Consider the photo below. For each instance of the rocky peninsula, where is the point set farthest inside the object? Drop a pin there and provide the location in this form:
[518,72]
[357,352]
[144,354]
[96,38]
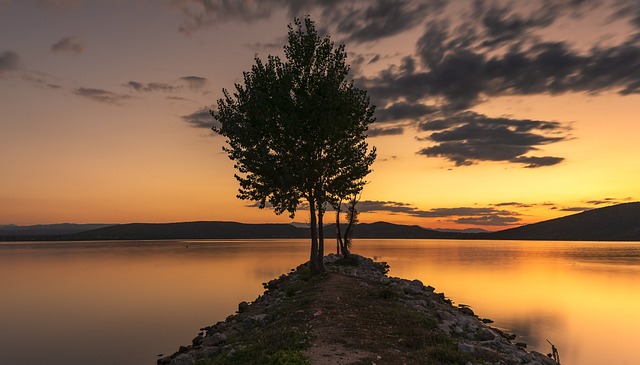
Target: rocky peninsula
[353,314]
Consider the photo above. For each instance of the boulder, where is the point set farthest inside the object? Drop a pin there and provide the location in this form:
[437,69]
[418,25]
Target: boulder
[183,359]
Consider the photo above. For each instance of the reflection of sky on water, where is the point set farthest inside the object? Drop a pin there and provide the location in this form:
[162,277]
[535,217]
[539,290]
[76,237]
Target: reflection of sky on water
[105,301]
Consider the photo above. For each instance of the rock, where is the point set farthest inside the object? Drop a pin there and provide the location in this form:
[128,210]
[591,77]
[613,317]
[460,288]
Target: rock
[466,348]
[197,341]
[445,316]
[467,311]
[485,334]
[259,318]
[242,307]
[183,359]
[215,339]
[521,345]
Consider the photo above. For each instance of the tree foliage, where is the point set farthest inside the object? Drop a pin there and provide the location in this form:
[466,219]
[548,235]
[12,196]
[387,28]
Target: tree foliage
[296,130]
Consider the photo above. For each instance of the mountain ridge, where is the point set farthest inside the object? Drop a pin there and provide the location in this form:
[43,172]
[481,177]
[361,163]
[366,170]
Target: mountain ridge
[619,222]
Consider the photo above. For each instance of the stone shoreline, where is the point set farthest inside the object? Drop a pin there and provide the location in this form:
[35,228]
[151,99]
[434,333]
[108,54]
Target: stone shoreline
[474,338]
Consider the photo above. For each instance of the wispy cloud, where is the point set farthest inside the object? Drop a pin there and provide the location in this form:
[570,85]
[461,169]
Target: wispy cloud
[385,131]
[195,82]
[9,61]
[488,216]
[102,96]
[201,118]
[357,21]
[68,45]
[151,86]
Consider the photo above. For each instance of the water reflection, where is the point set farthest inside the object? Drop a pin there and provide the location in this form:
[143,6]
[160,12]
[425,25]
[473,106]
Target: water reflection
[125,302]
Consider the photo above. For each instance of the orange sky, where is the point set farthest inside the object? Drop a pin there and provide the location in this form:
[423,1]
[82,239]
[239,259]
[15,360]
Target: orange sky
[521,114]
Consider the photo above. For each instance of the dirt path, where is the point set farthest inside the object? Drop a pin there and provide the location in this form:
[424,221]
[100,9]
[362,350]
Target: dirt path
[355,322]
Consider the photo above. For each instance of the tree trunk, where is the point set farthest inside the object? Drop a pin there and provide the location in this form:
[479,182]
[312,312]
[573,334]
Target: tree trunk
[338,233]
[321,239]
[313,259]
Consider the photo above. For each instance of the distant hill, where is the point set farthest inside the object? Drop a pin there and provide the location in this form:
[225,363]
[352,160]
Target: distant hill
[47,229]
[191,230]
[222,230]
[615,223]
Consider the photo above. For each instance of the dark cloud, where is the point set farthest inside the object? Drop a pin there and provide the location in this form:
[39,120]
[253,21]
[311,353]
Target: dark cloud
[378,19]
[462,215]
[532,162]
[575,209]
[358,21]
[201,118]
[195,82]
[512,204]
[468,137]
[9,62]
[403,111]
[152,86]
[69,45]
[388,131]
[102,96]
[488,220]
[609,201]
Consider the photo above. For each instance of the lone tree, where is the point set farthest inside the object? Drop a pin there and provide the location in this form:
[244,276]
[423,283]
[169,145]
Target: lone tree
[296,130]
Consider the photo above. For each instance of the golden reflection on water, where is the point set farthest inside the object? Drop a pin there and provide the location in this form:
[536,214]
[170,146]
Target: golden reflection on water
[126,302]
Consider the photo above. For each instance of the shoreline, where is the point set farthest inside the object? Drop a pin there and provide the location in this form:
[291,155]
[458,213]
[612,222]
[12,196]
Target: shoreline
[354,313]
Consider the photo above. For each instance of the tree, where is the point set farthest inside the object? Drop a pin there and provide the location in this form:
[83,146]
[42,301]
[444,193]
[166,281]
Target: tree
[344,242]
[296,130]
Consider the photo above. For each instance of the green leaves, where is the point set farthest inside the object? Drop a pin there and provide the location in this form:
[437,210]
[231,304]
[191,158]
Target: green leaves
[296,128]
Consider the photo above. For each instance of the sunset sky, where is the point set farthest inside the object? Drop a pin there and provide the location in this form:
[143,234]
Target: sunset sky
[490,114]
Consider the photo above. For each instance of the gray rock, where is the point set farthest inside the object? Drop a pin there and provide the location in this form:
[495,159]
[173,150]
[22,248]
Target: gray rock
[466,348]
[485,334]
[467,311]
[242,307]
[258,318]
[183,359]
[215,339]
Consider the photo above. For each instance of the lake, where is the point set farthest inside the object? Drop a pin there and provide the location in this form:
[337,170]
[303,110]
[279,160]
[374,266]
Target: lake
[126,302]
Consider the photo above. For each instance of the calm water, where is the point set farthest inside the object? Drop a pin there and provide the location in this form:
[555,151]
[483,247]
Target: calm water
[78,303]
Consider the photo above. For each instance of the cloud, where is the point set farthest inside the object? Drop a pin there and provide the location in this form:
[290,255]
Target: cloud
[9,62]
[41,79]
[575,209]
[69,45]
[468,137]
[377,19]
[357,21]
[151,87]
[201,118]
[102,96]
[487,216]
[389,131]
[488,220]
[513,204]
[609,201]
[195,82]
[403,111]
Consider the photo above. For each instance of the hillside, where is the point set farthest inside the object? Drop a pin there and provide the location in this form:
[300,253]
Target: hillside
[615,223]
[230,230]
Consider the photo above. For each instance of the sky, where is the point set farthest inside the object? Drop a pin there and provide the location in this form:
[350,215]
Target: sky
[490,114]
